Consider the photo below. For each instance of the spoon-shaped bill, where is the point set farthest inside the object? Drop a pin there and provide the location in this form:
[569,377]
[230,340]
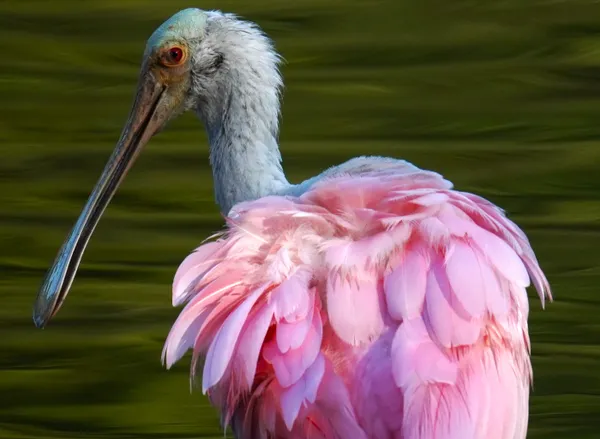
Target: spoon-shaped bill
[144,121]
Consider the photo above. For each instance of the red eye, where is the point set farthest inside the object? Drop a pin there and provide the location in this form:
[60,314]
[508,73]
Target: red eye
[173,56]
[176,54]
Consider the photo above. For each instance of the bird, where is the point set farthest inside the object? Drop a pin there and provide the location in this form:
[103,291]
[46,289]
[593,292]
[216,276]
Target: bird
[373,301]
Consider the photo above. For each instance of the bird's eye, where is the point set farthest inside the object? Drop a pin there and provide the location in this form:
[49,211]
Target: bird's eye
[173,56]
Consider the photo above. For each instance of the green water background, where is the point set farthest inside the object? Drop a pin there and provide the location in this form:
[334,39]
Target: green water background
[502,97]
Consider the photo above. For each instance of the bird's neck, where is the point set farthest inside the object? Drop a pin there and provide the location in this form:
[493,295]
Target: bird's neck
[244,155]
[241,112]
[243,137]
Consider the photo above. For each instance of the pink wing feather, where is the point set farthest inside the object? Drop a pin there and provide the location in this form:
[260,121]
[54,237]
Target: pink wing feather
[385,305]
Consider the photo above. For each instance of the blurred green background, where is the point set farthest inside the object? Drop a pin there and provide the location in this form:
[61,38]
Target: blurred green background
[502,97]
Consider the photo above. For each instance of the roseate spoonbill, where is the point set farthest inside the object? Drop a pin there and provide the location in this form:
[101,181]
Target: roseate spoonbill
[372,301]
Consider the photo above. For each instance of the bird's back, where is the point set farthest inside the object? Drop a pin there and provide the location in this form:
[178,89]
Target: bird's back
[378,303]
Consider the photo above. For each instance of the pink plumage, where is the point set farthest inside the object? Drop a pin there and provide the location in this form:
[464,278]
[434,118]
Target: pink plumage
[382,305]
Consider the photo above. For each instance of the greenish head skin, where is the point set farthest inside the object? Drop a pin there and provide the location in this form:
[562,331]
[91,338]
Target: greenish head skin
[186,25]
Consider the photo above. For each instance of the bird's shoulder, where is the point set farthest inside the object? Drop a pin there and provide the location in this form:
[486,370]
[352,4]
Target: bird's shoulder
[363,166]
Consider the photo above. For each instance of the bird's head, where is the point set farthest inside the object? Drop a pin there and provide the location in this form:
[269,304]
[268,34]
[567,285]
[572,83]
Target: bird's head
[176,52]
[194,60]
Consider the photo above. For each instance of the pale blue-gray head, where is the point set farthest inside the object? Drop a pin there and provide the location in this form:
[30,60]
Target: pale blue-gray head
[225,70]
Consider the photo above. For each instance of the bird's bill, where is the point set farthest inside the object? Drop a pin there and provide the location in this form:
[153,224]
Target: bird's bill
[145,119]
